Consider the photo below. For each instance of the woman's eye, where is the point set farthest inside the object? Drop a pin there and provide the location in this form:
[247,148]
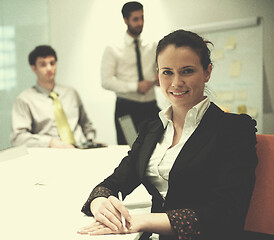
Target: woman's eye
[167,72]
[188,71]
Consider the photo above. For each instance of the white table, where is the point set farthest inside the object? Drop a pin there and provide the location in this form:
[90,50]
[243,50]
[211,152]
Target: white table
[43,191]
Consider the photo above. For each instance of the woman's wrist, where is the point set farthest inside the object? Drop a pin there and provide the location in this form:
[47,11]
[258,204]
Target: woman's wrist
[152,222]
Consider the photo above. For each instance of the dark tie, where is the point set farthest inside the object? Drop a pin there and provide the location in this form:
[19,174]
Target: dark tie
[139,65]
[62,124]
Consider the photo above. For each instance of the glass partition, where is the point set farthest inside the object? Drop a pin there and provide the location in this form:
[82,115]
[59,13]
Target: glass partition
[23,25]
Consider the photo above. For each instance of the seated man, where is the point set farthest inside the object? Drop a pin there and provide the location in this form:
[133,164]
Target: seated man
[49,114]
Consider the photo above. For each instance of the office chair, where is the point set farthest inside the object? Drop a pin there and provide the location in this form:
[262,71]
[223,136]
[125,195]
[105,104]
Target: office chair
[259,222]
[128,129]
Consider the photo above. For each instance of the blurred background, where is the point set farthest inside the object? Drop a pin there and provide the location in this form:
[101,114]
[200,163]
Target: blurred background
[79,31]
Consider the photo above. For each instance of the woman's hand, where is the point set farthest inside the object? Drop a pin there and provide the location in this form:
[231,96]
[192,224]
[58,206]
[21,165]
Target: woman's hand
[98,228]
[147,222]
[107,214]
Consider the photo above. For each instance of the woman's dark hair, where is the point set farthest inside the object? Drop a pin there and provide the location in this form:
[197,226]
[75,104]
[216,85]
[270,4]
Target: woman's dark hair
[182,38]
[41,51]
[130,7]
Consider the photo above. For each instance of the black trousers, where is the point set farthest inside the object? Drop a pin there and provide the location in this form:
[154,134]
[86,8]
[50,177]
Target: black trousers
[138,112]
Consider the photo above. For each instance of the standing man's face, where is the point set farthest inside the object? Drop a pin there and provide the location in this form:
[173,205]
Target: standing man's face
[135,23]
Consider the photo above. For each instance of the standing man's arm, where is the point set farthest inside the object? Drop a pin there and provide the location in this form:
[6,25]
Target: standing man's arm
[145,85]
[110,81]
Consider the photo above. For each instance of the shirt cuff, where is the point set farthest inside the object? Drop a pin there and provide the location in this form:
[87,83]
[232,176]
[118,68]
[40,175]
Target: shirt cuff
[184,223]
[133,87]
[97,192]
[44,140]
[90,136]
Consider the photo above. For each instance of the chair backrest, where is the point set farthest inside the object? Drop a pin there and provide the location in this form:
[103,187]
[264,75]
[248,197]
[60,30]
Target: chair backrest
[260,216]
[128,129]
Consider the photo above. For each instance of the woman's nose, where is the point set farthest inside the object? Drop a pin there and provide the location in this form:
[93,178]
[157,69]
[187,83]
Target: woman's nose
[178,81]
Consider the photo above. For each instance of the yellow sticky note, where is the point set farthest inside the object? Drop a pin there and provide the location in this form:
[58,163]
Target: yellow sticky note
[235,69]
[241,109]
[218,54]
[230,43]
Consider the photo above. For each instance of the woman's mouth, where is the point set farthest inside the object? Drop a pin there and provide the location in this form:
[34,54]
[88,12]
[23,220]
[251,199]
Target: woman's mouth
[179,93]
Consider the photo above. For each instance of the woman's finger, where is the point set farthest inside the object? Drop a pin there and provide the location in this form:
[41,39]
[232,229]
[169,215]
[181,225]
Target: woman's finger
[122,210]
[112,208]
[108,212]
[109,216]
[104,207]
[98,229]
[108,219]
[89,228]
[101,231]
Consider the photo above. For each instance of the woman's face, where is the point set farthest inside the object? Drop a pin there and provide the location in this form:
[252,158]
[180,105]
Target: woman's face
[182,77]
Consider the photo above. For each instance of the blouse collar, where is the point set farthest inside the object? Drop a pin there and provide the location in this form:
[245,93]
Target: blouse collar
[196,111]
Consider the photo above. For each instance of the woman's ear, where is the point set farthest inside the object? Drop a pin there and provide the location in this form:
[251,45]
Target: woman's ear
[208,72]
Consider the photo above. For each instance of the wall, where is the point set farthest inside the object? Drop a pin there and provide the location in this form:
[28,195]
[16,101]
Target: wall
[214,11]
[79,32]
[80,29]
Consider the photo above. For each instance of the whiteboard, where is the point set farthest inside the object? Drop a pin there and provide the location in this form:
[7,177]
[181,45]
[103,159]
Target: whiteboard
[236,83]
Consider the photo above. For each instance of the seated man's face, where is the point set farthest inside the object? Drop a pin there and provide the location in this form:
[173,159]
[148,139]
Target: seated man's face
[45,69]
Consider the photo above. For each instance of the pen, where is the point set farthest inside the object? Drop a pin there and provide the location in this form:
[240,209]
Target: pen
[123,219]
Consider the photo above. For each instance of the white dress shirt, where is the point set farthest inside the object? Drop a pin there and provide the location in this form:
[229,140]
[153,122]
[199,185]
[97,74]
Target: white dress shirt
[119,71]
[163,156]
[33,121]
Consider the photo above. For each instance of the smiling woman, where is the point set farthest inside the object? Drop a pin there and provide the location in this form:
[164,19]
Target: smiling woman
[196,161]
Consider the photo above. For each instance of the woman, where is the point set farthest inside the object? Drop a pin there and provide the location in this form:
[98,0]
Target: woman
[196,161]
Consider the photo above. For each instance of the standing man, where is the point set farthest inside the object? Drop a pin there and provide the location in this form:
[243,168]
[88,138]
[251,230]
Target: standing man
[49,114]
[129,70]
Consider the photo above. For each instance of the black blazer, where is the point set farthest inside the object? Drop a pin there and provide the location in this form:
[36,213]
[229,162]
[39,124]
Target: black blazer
[213,174]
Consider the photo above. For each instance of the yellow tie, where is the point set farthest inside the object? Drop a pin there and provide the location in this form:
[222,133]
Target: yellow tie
[63,127]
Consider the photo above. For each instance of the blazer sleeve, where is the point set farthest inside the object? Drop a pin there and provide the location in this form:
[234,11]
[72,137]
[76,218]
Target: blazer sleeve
[225,205]
[124,178]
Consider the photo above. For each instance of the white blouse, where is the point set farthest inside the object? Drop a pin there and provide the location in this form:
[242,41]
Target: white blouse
[163,156]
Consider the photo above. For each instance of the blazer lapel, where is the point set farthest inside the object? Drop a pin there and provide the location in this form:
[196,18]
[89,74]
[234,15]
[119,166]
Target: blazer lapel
[155,132]
[200,137]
